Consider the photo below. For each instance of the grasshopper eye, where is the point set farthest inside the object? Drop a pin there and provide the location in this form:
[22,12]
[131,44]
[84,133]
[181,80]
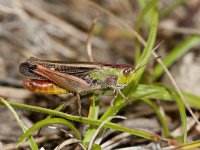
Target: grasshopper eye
[126,71]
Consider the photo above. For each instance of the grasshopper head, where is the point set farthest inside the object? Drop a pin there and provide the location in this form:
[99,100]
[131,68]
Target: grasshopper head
[27,68]
[126,76]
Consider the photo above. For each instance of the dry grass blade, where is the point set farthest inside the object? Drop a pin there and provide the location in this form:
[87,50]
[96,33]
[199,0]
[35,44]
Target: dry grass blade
[114,140]
[89,40]
[174,83]
[39,140]
[99,128]
[182,30]
[68,142]
[190,122]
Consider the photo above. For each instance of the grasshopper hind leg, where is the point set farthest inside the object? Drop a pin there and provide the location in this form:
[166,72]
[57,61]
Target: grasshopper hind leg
[75,97]
[79,103]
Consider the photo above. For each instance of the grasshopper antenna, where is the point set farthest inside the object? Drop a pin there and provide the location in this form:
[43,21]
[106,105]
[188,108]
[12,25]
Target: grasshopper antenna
[89,40]
[138,66]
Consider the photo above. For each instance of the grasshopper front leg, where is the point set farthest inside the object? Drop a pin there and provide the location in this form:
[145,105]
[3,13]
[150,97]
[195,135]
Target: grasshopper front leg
[119,92]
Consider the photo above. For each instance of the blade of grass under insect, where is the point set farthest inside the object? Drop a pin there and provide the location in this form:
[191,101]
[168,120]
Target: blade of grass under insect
[47,122]
[94,108]
[136,132]
[159,116]
[113,110]
[175,54]
[120,104]
[93,114]
[161,92]
[32,142]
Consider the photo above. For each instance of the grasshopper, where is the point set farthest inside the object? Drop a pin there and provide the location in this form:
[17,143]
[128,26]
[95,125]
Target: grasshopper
[79,78]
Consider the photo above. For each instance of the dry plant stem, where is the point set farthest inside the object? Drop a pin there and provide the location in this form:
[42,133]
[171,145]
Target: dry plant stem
[115,139]
[190,122]
[176,87]
[99,128]
[26,144]
[89,40]
[68,142]
[119,144]
[182,30]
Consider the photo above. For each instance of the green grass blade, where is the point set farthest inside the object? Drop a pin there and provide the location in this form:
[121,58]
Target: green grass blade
[144,13]
[137,132]
[192,100]
[175,54]
[94,107]
[159,116]
[93,114]
[148,47]
[32,142]
[47,122]
[182,112]
[161,92]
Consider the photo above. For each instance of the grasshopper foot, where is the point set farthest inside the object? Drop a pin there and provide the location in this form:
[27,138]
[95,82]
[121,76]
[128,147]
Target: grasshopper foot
[77,96]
